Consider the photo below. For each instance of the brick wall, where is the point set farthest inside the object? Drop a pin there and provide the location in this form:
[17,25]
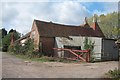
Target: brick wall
[35,35]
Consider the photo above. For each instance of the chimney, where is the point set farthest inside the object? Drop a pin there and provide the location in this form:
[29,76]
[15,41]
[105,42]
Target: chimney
[86,20]
[96,28]
[12,39]
[94,23]
[94,19]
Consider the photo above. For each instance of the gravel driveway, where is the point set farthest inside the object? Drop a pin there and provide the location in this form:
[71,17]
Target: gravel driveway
[13,67]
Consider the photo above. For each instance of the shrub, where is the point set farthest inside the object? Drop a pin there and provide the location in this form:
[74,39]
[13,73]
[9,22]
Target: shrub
[16,48]
[11,49]
[5,48]
[29,48]
[114,74]
[88,44]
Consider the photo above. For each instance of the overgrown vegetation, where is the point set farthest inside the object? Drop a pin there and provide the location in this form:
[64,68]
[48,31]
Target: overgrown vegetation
[6,38]
[89,45]
[115,74]
[27,49]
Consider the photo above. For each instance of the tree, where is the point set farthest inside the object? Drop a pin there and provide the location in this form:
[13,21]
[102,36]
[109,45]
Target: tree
[7,39]
[108,24]
[11,30]
[4,32]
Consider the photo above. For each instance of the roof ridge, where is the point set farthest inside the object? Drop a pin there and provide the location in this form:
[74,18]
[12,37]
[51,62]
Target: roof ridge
[57,23]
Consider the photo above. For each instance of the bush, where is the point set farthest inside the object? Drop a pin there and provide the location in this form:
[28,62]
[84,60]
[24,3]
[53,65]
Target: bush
[17,48]
[5,48]
[114,74]
[88,44]
[10,48]
[27,49]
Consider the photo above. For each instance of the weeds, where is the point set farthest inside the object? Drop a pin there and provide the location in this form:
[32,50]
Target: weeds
[115,74]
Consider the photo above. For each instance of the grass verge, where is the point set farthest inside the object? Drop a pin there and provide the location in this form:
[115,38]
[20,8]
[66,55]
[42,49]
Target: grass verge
[45,59]
[114,74]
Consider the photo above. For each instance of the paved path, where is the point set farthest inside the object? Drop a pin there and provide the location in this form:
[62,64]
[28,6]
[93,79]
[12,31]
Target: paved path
[13,67]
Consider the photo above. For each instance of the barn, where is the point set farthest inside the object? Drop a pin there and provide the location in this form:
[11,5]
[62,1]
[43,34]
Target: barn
[47,35]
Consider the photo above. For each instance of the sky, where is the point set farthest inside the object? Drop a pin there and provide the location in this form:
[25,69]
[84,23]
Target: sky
[20,15]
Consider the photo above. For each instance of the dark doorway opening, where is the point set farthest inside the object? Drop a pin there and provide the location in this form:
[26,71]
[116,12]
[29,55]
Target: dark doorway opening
[72,47]
[68,54]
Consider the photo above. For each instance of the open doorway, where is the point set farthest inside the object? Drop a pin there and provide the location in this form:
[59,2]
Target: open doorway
[68,54]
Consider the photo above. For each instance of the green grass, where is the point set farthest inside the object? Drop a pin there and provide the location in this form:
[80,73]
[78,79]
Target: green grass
[22,57]
[115,74]
[44,59]
[52,59]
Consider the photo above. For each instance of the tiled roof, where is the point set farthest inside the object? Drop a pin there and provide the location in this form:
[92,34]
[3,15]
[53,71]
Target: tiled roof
[97,29]
[49,29]
[24,37]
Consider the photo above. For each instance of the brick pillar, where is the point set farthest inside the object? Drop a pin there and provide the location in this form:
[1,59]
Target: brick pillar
[12,39]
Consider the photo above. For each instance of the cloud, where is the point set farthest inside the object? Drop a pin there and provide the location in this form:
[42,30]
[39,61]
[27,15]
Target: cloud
[16,16]
[9,13]
[20,16]
[71,13]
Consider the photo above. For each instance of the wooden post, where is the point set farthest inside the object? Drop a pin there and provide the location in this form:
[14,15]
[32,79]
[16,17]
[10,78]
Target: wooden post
[88,55]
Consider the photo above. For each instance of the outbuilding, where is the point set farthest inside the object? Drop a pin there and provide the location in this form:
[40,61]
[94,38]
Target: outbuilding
[48,35]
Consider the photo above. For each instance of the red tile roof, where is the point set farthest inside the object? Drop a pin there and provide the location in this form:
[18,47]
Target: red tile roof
[49,29]
[97,29]
[24,37]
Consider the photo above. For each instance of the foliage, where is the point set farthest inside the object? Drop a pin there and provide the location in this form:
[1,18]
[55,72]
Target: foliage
[46,59]
[4,32]
[4,48]
[10,48]
[108,24]
[114,74]
[88,44]
[7,38]
[17,48]
[27,49]
[52,59]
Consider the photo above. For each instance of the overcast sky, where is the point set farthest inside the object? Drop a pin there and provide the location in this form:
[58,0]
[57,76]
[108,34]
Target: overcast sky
[20,15]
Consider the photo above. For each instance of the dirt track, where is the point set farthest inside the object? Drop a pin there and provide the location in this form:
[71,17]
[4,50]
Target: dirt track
[13,67]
